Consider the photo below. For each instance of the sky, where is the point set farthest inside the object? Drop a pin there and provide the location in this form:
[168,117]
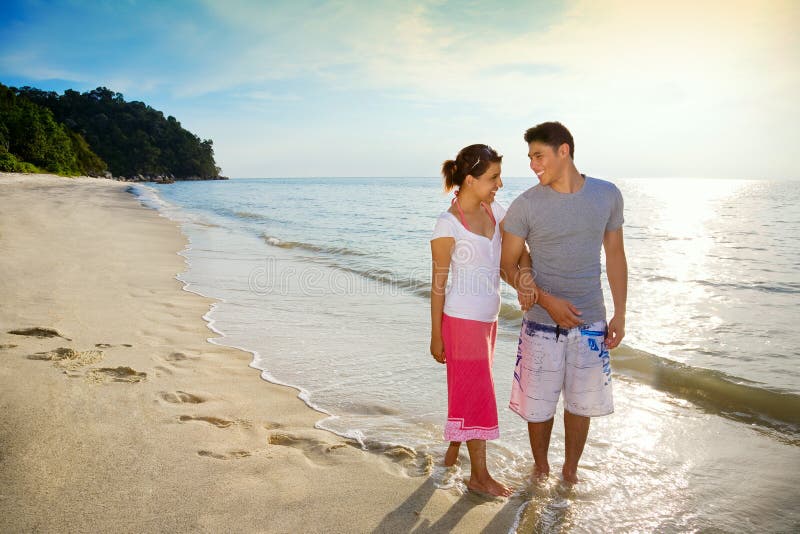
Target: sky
[392,88]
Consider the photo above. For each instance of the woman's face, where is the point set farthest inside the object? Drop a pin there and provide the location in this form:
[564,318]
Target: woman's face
[486,185]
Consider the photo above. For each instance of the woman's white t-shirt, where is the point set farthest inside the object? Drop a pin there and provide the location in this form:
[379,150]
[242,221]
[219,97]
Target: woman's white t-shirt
[474,282]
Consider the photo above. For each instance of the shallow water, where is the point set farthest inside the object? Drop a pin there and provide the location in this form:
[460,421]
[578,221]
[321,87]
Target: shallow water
[325,281]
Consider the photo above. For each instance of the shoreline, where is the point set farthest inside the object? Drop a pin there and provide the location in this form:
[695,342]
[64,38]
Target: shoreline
[140,423]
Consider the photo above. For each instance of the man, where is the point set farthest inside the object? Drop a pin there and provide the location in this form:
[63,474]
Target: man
[564,340]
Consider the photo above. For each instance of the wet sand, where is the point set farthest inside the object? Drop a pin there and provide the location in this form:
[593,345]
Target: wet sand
[119,415]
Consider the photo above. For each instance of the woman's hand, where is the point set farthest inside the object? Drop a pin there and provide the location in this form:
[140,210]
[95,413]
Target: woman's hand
[437,349]
[527,297]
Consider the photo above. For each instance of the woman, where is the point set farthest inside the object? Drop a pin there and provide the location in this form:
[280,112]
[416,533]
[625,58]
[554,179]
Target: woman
[466,242]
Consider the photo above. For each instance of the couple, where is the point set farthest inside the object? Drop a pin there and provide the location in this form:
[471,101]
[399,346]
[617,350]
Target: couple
[552,232]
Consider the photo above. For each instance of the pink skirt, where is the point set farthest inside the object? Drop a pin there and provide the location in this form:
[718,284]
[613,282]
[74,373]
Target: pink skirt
[471,404]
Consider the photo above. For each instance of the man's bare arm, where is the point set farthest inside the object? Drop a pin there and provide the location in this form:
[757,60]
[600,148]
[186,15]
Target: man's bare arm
[617,272]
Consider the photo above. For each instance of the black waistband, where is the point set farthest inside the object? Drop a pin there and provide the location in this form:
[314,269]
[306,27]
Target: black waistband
[531,327]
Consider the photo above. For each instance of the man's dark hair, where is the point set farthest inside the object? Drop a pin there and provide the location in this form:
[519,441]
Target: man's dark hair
[553,134]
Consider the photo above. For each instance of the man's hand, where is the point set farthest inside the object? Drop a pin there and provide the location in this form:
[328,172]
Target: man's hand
[562,311]
[616,331]
[437,349]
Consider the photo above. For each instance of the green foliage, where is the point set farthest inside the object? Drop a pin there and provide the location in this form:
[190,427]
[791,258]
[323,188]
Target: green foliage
[131,137]
[87,160]
[8,163]
[30,137]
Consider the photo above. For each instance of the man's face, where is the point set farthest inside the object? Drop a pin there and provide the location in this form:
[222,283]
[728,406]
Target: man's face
[545,162]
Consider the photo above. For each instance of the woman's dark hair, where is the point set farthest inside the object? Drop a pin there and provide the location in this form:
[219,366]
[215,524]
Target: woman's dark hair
[553,134]
[471,160]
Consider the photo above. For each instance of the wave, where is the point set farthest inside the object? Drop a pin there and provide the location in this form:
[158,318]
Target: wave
[415,286]
[510,312]
[765,287]
[248,215]
[789,287]
[659,278]
[420,288]
[147,196]
[323,249]
[714,391]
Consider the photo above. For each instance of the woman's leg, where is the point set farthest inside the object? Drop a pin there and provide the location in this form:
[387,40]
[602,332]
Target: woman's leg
[451,455]
[479,478]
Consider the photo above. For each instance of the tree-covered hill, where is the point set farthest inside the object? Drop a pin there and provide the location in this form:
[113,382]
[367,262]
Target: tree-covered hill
[31,140]
[131,137]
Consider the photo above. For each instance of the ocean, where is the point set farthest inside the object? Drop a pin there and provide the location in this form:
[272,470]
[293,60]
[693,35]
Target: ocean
[327,282]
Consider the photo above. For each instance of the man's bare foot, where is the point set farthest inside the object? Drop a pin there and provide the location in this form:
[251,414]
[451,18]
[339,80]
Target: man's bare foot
[489,486]
[540,471]
[570,477]
[451,455]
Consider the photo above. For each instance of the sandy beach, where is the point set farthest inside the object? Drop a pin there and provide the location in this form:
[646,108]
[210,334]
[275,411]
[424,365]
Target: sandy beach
[120,416]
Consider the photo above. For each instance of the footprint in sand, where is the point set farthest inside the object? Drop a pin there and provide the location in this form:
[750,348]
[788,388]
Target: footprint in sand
[232,455]
[38,331]
[216,421]
[160,370]
[315,450]
[117,374]
[177,357]
[413,463]
[171,363]
[69,359]
[178,397]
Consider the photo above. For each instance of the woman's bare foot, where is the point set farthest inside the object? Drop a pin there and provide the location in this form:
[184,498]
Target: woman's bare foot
[451,455]
[490,486]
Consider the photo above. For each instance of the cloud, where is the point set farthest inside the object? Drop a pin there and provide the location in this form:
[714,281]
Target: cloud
[26,64]
[657,81]
[267,95]
[437,51]
[621,53]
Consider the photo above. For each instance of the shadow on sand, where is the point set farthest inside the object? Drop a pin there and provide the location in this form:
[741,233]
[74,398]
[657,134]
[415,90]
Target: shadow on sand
[406,517]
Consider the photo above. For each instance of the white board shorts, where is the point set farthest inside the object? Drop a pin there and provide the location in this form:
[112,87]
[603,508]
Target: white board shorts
[550,360]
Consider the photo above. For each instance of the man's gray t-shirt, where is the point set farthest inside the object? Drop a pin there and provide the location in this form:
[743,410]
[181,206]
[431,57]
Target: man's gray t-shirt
[565,233]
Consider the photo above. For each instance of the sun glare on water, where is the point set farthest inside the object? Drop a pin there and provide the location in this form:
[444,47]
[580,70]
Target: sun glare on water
[683,216]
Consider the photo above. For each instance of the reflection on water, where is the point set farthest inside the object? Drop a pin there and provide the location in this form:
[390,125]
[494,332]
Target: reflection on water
[680,222]
[657,465]
[712,274]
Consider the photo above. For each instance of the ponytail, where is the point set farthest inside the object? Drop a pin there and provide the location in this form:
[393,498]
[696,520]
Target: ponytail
[449,169]
[471,160]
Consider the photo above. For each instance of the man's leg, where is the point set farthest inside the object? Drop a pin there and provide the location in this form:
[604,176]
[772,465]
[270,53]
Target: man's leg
[539,435]
[540,368]
[576,429]
[587,389]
